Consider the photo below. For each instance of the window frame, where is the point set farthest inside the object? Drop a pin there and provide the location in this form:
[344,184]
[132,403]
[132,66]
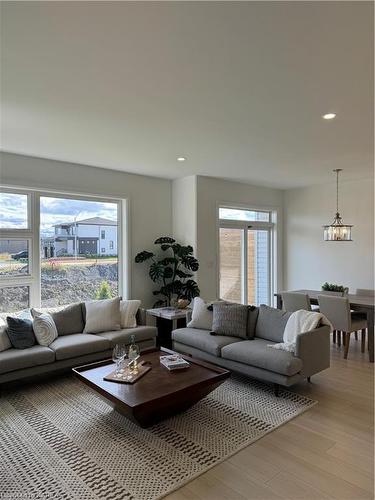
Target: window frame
[271,227]
[29,205]
[33,279]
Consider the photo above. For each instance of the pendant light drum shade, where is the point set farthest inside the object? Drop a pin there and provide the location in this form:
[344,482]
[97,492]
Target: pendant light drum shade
[337,231]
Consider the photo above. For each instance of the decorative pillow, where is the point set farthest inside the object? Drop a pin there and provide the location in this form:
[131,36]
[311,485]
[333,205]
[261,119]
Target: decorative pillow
[44,328]
[271,323]
[201,316]
[230,320]
[102,315]
[4,339]
[69,320]
[252,321]
[128,312]
[20,332]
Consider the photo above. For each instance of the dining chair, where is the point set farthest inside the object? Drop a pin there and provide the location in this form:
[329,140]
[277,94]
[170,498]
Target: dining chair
[337,311]
[364,292]
[294,301]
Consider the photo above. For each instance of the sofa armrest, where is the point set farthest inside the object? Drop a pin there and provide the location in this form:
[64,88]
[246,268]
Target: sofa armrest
[313,348]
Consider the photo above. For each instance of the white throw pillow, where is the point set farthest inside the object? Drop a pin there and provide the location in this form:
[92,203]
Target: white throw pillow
[4,339]
[201,317]
[44,327]
[128,311]
[102,315]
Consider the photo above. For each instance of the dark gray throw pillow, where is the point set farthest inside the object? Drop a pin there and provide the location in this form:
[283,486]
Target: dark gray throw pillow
[20,332]
[230,320]
[69,320]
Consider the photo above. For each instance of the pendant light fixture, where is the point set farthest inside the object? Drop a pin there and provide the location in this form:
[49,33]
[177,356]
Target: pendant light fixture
[337,231]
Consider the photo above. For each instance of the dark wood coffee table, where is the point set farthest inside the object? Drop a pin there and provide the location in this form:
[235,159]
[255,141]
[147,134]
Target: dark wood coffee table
[158,394]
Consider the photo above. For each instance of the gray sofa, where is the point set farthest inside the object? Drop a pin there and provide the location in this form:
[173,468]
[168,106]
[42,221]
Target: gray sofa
[253,357]
[70,350]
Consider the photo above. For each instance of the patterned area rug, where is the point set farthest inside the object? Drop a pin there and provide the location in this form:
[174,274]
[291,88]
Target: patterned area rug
[59,440]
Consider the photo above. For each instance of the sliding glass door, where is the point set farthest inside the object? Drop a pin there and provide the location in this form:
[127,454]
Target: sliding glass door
[258,266]
[245,260]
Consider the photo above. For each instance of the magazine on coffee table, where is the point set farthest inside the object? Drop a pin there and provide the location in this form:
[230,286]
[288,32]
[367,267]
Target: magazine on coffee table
[174,362]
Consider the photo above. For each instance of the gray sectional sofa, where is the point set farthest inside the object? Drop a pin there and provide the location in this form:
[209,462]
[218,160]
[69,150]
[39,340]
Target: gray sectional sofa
[70,350]
[254,357]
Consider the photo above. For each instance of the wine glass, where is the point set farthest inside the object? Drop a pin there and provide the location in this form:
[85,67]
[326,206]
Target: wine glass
[125,363]
[117,355]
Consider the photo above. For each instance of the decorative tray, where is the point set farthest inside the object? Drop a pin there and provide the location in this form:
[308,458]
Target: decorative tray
[127,377]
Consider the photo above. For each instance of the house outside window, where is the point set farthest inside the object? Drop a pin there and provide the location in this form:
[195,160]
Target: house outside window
[48,254]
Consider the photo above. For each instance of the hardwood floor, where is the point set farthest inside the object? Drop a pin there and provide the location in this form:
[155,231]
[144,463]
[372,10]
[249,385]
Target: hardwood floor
[324,453]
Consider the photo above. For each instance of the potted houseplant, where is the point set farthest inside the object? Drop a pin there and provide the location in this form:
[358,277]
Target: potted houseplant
[173,272]
[333,289]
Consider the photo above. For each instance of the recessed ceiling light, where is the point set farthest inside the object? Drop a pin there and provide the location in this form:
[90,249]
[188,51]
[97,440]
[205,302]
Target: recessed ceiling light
[329,116]
[181,158]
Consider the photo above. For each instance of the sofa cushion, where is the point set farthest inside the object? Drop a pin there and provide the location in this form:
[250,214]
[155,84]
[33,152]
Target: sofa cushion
[20,332]
[257,353]
[44,328]
[230,320]
[4,339]
[141,333]
[102,315]
[69,320]
[201,317]
[78,344]
[203,340]
[17,359]
[128,313]
[271,323]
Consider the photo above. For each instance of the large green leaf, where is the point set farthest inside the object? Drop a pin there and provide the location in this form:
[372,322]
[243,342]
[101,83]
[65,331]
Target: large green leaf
[143,256]
[174,286]
[156,271]
[190,262]
[168,260]
[182,274]
[185,250]
[176,248]
[164,239]
[189,290]
[168,272]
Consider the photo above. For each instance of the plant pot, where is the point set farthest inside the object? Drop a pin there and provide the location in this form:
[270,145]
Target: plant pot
[337,294]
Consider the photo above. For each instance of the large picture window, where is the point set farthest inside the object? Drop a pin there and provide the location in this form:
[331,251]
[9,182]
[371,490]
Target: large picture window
[58,249]
[245,255]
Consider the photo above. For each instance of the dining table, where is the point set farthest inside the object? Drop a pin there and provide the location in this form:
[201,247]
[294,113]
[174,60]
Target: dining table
[358,303]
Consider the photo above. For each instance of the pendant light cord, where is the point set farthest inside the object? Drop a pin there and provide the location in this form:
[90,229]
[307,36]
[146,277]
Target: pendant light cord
[337,170]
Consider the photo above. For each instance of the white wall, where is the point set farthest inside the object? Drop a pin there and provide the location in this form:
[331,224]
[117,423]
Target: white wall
[310,261]
[150,207]
[211,192]
[189,212]
[184,206]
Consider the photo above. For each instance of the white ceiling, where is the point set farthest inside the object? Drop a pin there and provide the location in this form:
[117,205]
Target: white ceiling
[237,87]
